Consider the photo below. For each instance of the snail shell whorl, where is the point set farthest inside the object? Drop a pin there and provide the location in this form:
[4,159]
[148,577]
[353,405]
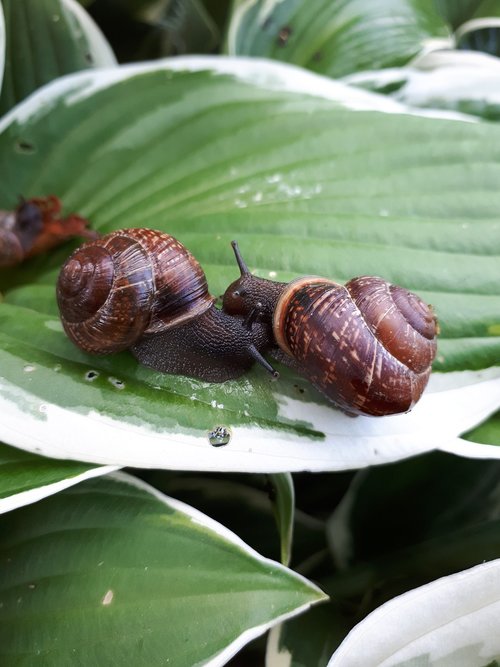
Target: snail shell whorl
[367,345]
[112,290]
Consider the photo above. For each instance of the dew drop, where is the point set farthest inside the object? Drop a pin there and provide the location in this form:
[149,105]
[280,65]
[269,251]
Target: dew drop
[42,408]
[29,368]
[219,436]
[57,368]
[90,376]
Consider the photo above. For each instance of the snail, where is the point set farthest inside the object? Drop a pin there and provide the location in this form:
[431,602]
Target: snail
[142,290]
[34,227]
[367,345]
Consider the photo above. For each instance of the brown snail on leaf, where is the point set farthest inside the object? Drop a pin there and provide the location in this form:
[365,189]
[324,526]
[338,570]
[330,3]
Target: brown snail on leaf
[367,345]
[142,290]
[36,226]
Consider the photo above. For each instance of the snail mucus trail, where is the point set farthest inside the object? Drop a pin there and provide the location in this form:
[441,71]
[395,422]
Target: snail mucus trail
[367,345]
[142,290]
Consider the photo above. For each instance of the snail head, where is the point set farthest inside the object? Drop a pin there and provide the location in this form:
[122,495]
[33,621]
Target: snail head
[250,294]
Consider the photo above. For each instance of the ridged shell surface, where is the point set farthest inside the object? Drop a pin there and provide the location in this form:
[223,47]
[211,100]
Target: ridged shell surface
[112,290]
[356,344]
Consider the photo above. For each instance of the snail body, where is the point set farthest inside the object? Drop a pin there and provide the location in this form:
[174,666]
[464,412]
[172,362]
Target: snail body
[367,346]
[142,290]
[34,227]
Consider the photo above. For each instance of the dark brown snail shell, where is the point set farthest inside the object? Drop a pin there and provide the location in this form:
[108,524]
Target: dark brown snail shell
[115,289]
[367,345]
[141,289]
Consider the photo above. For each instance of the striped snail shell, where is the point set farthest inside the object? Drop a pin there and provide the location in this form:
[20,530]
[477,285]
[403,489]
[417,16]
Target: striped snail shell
[128,283]
[367,345]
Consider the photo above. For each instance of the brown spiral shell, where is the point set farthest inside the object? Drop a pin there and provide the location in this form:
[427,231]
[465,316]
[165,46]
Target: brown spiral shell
[368,345]
[113,290]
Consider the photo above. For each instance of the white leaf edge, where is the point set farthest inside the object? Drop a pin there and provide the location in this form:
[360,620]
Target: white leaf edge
[2,45]
[477,24]
[452,621]
[349,443]
[23,498]
[265,74]
[221,531]
[81,21]
[453,404]
[439,78]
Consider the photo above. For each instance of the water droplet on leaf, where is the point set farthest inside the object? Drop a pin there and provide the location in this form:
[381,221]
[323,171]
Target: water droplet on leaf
[219,436]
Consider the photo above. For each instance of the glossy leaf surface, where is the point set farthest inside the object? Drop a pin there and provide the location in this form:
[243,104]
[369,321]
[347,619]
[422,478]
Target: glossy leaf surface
[229,150]
[26,478]
[113,571]
[449,621]
[334,37]
[44,40]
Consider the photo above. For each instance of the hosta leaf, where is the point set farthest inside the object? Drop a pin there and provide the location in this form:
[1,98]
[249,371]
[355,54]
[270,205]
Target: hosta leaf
[26,478]
[334,37]
[46,39]
[403,504]
[308,639]
[208,157]
[457,12]
[249,513]
[283,499]
[450,80]
[480,35]
[119,573]
[450,621]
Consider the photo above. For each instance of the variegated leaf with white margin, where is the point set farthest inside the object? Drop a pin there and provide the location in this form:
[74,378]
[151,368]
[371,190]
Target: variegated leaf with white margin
[461,81]
[452,405]
[26,478]
[281,184]
[334,37]
[114,572]
[44,40]
[451,622]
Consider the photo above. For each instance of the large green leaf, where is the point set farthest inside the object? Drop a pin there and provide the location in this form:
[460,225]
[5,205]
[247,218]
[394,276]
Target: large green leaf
[451,621]
[112,572]
[249,513]
[46,39]
[334,37]
[456,12]
[26,478]
[307,186]
[404,504]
